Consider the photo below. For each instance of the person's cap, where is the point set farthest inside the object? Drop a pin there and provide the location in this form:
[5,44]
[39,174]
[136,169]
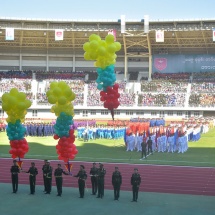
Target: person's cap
[46,160]
[59,164]
[135,169]
[94,163]
[33,163]
[116,167]
[14,161]
[82,166]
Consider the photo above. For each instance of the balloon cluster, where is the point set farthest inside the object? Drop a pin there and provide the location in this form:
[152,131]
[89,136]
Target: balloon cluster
[110,97]
[66,148]
[61,96]
[18,148]
[15,131]
[103,52]
[15,104]
[62,126]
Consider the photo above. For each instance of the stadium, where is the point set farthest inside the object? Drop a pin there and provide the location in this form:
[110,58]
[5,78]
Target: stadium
[165,70]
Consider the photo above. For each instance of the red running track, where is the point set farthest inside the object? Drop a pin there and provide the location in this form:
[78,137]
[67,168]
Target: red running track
[155,178]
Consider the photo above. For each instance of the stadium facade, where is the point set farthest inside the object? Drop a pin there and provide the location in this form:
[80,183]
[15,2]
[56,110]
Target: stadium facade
[34,48]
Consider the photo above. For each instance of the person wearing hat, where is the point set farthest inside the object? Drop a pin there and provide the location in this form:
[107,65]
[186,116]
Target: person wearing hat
[59,179]
[101,181]
[82,176]
[44,169]
[32,177]
[116,182]
[48,178]
[135,182]
[14,176]
[94,180]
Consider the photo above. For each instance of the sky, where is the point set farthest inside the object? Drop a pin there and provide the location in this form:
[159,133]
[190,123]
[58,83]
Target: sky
[108,9]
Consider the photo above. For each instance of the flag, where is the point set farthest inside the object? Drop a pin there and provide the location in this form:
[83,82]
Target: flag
[159,36]
[112,32]
[68,166]
[146,24]
[19,163]
[9,34]
[58,34]
[213,34]
[122,24]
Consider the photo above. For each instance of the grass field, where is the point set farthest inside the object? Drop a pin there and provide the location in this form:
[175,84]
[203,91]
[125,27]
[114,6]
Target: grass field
[201,153]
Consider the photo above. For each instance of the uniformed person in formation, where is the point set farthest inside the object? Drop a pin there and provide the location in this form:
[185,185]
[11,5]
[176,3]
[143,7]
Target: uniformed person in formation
[14,176]
[116,182]
[48,178]
[59,179]
[32,177]
[101,180]
[82,176]
[94,179]
[44,177]
[144,146]
[135,182]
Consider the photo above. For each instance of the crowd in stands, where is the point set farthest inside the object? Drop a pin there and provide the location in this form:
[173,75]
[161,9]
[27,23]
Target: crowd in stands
[23,85]
[60,75]
[164,90]
[183,76]
[160,99]
[164,86]
[203,76]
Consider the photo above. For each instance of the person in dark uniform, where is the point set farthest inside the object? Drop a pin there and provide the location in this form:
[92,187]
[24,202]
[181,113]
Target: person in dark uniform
[44,174]
[135,182]
[94,181]
[48,178]
[32,177]
[14,176]
[149,143]
[116,182]
[59,179]
[101,175]
[82,176]
[143,145]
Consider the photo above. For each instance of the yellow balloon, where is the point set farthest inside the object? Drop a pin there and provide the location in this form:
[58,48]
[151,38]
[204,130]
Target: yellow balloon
[111,48]
[52,99]
[21,96]
[94,45]
[27,103]
[5,97]
[94,37]
[57,91]
[118,46]
[86,46]
[109,38]
[14,92]
[62,100]
[86,56]
[53,84]
[101,51]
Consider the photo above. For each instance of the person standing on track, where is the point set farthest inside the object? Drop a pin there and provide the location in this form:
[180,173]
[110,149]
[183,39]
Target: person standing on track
[116,182]
[94,179]
[14,176]
[101,181]
[44,177]
[135,182]
[32,177]
[82,176]
[48,178]
[59,179]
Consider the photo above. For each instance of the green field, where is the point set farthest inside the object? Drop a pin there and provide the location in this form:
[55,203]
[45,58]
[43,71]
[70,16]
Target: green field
[201,153]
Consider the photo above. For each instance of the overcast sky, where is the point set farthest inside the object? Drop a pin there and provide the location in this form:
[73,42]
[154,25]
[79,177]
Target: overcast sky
[108,9]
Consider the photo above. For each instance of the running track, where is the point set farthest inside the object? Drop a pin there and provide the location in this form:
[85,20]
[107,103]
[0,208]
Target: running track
[155,178]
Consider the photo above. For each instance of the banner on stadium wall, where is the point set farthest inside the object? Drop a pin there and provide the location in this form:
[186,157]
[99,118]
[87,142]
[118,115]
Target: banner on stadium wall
[112,32]
[183,63]
[159,36]
[213,34]
[122,24]
[58,34]
[9,34]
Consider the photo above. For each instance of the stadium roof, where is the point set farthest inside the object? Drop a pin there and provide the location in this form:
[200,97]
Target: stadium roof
[181,36]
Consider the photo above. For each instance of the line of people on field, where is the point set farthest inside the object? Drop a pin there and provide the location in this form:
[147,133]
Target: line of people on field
[100,132]
[97,179]
[39,129]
